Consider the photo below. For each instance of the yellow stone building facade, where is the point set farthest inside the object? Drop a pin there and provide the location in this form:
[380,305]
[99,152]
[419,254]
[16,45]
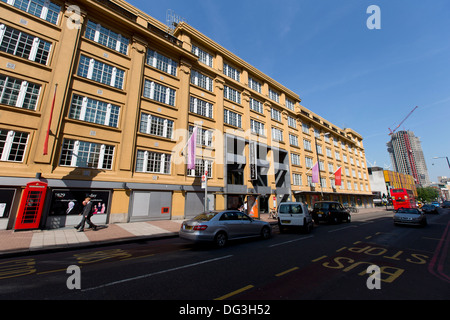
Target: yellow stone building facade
[121,96]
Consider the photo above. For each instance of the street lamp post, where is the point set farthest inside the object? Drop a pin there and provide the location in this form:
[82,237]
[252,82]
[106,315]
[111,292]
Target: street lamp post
[448,162]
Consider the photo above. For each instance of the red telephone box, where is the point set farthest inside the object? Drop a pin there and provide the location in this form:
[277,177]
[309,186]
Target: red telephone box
[31,205]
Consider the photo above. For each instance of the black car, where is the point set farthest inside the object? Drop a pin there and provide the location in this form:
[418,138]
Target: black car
[429,208]
[330,211]
[446,204]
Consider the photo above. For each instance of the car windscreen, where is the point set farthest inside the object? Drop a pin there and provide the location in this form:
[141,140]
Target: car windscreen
[407,210]
[290,208]
[206,216]
[322,206]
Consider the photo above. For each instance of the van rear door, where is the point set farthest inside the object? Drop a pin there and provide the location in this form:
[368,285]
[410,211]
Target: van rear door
[291,214]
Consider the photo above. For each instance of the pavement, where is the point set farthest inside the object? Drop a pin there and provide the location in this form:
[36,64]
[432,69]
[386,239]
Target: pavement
[17,243]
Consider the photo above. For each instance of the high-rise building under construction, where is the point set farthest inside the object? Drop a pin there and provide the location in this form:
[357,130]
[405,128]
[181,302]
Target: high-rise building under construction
[407,157]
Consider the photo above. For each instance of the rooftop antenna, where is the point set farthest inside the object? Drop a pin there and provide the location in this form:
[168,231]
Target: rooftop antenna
[172,20]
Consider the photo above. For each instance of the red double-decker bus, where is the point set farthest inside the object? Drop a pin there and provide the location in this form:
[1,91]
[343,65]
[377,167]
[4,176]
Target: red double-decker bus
[403,198]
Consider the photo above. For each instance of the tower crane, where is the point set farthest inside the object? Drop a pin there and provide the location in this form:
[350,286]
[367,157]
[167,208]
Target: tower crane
[393,131]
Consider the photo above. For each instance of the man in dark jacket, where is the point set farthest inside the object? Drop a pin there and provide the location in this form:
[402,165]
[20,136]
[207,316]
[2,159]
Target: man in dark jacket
[87,214]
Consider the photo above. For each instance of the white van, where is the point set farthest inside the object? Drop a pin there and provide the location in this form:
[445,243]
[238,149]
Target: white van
[294,214]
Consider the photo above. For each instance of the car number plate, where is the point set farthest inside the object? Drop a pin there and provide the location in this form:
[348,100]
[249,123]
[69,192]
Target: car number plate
[187,227]
[320,215]
[285,221]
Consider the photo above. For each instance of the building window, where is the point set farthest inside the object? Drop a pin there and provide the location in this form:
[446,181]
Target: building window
[254,85]
[293,140]
[232,118]
[295,159]
[305,128]
[24,45]
[257,127]
[309,181]
[204,136]
[201,80]
[275,114]
[101,72]
[203,56]
[307,145]
[18,93]
[296,179]
[308,162]
[12,145]
[330,168]
[200,168]
[292,122]
[158,92]
[84,154]
[153,162]
[277,134]
[329,153]
[321,165]
[337,155]
[106,37]
[160,62]
[317,133]
[290,104]
[156,126]
[231,94]
[319,149]
[256,105]
[201,107]
[43,9]
[275,96]
[94,111]
[231,72]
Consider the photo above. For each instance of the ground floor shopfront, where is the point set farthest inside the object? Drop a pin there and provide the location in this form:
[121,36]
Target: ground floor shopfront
[58,203]
[118,202]
[355,200]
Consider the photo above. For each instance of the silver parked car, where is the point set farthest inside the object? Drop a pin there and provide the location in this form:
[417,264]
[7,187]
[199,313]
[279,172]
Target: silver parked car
[221,226]
[410,216]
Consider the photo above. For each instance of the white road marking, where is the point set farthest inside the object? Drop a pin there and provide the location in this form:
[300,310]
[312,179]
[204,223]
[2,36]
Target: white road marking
[279,244]
[155,273]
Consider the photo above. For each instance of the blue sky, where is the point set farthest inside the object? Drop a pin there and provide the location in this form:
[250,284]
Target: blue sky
[367,80]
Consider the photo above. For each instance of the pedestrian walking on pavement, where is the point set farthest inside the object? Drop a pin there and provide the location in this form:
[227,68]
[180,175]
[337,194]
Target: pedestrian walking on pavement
[87,214]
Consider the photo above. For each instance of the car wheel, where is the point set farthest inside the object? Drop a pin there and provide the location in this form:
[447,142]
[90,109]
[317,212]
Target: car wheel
[307,227]
[265,233]
[221,239]
[335,220]
[280,227]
